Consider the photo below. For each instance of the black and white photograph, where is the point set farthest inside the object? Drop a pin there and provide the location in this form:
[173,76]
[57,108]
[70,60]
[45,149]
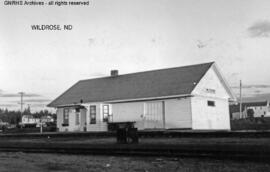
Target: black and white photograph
[134,85]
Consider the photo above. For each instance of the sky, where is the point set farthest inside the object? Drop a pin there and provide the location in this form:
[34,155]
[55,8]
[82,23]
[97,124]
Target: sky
[131,36]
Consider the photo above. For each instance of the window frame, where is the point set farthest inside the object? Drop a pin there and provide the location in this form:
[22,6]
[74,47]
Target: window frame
[105,118]
[91,114]
[77,116]
[211,103]
[66,117]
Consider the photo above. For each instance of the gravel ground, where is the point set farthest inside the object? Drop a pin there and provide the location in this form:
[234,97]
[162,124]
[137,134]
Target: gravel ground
[111,140]
[16,162]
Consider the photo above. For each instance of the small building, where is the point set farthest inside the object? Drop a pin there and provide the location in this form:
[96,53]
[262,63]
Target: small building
[189,97]
[29,119]
[46,119]
[3,123]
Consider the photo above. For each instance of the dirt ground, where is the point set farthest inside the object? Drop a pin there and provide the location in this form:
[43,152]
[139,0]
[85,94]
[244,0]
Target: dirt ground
[18,161]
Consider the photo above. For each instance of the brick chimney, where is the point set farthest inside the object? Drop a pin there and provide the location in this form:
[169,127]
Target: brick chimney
[114,73]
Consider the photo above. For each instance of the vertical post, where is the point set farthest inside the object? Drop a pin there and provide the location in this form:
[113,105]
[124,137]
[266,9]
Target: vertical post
[163,114]
[144,115]
[21,93]
[41,129]
[240,112]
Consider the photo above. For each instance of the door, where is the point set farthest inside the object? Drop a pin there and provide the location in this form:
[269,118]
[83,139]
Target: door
[154,115]
[83,119]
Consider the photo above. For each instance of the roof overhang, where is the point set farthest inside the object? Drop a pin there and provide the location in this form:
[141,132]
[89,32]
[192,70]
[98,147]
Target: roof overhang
[127,100]
[225,83]
[71,105]
[150,98]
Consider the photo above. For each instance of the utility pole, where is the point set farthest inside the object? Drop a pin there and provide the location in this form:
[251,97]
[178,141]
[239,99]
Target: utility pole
[240,112]
[21,103]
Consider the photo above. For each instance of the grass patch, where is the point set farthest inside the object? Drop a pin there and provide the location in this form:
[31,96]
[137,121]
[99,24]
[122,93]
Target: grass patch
[251,124]
[54,162]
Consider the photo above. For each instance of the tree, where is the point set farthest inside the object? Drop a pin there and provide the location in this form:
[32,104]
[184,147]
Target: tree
[27,111]
[13,117]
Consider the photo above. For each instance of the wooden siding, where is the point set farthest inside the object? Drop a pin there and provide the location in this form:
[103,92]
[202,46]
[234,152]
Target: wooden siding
[178,113]
[83,119]
[59,119]
[100,125]
[71,125]
[211,81]
[123,112]
[210,117]
[153,115]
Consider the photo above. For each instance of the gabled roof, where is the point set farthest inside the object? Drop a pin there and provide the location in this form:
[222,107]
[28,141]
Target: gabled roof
[250,104]
[141,85]
[224,83]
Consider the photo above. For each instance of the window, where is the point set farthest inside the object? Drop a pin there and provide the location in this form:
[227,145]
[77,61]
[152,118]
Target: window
[77,117]
[211,103]
[66,117]
[93,114]
[105,113]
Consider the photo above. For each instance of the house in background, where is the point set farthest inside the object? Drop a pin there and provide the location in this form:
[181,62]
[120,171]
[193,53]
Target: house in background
[3,124]
[46,119]
[260,109]
[29,120]
[189,97]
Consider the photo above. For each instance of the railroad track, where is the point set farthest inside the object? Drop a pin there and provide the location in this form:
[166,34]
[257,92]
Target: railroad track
[146,134]
[236,152]
[254,152]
